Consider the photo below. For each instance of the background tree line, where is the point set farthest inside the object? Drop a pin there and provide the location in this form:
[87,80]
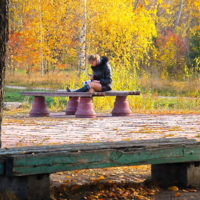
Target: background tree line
[155,37]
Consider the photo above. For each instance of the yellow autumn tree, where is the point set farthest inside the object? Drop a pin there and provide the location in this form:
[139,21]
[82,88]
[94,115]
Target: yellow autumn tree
[48,33]
[119,31]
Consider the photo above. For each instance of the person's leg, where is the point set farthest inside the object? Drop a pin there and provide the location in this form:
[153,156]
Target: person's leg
[91,90]
[91,87]
[85,88]
[95,87]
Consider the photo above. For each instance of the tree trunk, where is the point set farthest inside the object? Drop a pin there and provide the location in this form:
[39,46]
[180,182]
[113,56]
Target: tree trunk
[179,13]
[42,70]
[82,39]
[3,43]
[136,4]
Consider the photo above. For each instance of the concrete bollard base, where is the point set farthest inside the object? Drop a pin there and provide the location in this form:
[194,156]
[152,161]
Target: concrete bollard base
[178,174]
[34,187]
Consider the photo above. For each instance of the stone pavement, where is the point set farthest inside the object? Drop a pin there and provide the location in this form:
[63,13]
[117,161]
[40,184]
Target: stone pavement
[21,130]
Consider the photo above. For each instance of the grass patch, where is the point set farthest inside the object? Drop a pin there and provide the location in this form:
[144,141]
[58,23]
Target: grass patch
[172,88]
[56,80]
[140,104]
[176,103]
[13,95]
[149,101]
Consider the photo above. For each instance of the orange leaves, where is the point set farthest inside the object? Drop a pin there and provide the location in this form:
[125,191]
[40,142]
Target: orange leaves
[97,179]
[107,183]
[43,32]
[192,190]
[178,194]
[93,179]
[48,32]
[61,66]
[101,178]
[173,188]
[110,181]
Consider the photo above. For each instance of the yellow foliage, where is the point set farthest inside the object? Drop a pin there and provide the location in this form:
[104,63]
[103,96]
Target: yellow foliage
[124,37]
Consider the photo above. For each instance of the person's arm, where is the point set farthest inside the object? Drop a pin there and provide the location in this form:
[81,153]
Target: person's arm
[107,75]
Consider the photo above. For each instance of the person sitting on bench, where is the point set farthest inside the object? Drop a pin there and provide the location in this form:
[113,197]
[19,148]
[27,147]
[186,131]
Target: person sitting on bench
[101,80]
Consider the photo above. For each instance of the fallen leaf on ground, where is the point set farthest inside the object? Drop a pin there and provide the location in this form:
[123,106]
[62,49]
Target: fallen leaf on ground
[177,194]
[173,188]
[192,190]
[101,177]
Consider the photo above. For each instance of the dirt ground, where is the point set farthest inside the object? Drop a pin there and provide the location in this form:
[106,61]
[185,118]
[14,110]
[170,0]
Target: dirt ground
[94,184]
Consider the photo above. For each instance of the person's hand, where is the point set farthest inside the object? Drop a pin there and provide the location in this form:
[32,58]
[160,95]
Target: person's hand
[91,77]
[95,81]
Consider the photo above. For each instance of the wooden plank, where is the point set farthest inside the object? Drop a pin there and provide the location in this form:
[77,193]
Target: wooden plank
[5,152]
[19,165]
[134,92]
[117,93]
[56,94]
[100,145]
[79,94]
[121,93]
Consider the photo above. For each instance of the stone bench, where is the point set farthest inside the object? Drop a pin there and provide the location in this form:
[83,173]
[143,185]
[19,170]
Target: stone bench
[26,170]
[80,103]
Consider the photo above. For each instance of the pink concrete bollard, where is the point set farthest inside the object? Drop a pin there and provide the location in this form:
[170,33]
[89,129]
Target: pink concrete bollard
[39,108]
[72,106]
[121,107]
[85,108]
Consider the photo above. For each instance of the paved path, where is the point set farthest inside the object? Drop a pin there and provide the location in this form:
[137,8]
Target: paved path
[25,88]
[59,129]
[22,130]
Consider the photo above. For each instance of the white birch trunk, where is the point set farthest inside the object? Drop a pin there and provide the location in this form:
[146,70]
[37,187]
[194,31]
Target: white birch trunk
[136,4]
[179,13]
[41,40]
[82,39]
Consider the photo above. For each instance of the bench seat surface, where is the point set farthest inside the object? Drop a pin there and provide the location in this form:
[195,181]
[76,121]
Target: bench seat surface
[50,159]
[79,94]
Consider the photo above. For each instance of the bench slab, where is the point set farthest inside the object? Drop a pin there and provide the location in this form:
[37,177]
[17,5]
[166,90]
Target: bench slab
[35,187]
[181,174]
[99,155]
[79,94]
[25,170]
[80,104]
[57,94]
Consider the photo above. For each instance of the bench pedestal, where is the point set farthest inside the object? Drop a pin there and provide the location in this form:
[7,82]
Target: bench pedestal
[121,107]
[72,106]
[34,187]
[85,108]
[178,174]
[39,107]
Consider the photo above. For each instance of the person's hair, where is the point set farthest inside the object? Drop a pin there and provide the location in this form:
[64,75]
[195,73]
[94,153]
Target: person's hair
[93,57]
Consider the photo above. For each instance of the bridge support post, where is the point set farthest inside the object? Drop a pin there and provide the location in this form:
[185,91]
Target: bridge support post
[178,174]
[85,108]
[39,107]
[121,107]
[72,105]
[32,187]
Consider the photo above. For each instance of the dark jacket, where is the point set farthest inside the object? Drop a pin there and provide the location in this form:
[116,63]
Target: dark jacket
[102,72]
